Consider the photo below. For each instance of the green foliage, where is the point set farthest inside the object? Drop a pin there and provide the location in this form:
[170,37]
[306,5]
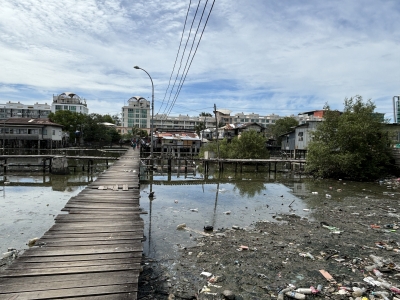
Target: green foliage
[204,114]
[351,145]
[198,128]
[282,126]
[138,132]
[250,145]
[89,126]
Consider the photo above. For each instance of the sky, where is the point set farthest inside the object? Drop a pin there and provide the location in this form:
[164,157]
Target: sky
[254,56]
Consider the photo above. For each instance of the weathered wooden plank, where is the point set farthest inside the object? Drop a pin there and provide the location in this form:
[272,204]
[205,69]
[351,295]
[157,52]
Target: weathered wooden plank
[96,249]
[90,235]
[99,212]
[72,264]
[70,270]
[73,292]
[96,223]
[106,198]
[119,296]
[111,206]
[64,243]
[108,278]
[82,257]
[90,217]
[96,228]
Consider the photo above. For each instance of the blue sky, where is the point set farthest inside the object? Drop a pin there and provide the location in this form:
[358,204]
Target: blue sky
[281,57]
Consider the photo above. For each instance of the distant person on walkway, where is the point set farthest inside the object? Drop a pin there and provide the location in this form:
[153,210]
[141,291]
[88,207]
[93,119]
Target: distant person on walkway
[133,145]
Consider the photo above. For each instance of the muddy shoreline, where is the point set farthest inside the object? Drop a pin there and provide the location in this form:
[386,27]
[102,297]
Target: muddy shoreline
[257,262]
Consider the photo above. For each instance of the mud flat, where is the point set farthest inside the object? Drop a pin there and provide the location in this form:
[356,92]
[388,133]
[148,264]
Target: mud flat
[349,248]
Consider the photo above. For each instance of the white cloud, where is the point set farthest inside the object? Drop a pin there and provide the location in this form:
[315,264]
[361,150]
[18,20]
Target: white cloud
[259,56]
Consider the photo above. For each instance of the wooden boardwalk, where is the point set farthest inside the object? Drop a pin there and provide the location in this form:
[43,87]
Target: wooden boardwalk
[93,251]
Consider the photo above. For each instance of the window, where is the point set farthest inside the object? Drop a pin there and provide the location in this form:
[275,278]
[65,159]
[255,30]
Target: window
[72,108]
[300,135]
[45,131]
[54,132]
[58,107]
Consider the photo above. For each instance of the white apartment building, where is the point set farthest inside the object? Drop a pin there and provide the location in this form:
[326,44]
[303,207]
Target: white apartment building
[19,110]
[69,101]
[223,116]
[136,113]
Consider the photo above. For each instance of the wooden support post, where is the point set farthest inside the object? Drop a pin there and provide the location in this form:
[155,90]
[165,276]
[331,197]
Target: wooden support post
[186,163]
[275,167]
[241,167]
[5,166]
[256,167]
[44,165]
[169,164]
[107,163]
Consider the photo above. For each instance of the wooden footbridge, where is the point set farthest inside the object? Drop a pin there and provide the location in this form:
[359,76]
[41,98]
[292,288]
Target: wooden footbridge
[93,251]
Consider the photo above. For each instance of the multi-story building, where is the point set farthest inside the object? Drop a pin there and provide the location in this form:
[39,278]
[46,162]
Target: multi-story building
[136,113]
[164,122]
[19,110]
[69,101]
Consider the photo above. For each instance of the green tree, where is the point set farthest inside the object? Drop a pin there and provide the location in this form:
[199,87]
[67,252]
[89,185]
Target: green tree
[71,121]
[351,145]
[282,126]
[204,114]
[199,127]
[250,145]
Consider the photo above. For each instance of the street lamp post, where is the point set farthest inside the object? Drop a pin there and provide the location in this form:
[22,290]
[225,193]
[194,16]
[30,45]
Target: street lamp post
[152,111]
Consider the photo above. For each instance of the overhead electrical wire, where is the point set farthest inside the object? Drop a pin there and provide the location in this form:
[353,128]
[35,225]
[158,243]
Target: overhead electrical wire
[183,54]
[198,43]
[186,68]
[176,58]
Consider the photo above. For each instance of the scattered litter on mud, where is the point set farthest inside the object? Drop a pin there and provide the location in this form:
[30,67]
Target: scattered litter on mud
[350,249]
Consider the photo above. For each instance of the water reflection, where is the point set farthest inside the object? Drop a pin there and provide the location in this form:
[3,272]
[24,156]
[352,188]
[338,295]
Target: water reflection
[220,200]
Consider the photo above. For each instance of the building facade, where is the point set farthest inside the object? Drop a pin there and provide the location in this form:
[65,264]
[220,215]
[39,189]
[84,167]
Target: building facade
[69,101]
[136,113]
[28,133]
[19,110]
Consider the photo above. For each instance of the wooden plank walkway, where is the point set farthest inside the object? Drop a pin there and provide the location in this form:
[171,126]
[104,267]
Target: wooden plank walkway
[91,252]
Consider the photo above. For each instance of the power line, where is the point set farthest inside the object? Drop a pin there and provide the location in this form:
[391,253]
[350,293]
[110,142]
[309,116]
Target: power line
[183,53]
[176,58]
[198,43]
[187,68]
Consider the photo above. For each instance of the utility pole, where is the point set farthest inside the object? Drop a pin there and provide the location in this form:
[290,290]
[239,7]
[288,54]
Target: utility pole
[216,128]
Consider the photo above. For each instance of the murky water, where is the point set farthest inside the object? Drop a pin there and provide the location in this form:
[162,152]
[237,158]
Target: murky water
[28,204]
[228,199]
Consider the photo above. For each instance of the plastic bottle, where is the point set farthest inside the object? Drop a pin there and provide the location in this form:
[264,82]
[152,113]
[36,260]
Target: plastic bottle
[306,291]
[295,295]
[377,260]
[370,268]
[282,292]
[358,292]
[383,295]
[377,273]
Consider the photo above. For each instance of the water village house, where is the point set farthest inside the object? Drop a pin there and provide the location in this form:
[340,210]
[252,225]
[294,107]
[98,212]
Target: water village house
[177,143]
[28,133]
[295,143]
